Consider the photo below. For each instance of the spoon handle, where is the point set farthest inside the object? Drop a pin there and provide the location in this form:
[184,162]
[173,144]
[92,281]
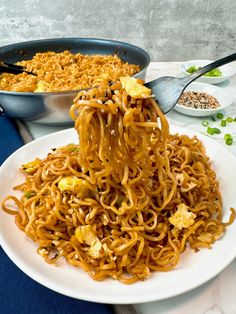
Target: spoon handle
[209,67]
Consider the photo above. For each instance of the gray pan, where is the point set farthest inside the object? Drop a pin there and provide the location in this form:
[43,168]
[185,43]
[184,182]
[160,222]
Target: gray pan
[52,108]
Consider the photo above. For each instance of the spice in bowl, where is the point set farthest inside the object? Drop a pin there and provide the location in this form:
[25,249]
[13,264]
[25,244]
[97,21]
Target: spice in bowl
[198,100]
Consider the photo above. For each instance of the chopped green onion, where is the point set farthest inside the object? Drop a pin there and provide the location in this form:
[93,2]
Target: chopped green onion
[227,135]
[73,149]
[235,119]
[205,123]
[76,149]
[214,73]
[229,119]
[211,73]
[29,194]
[213,131]
[210,131]
[213,118]
[223,122]
[216,131]
[229,141]
[219,115]
[192,69]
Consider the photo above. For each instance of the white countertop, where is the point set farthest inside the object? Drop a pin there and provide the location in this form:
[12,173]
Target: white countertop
[218,295]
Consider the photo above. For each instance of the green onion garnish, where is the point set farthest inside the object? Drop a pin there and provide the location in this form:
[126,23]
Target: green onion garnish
[229,141]
[205,123]
[213,118]
[223,122]
[219,115]
[73,149]
[235,119]
[210,131]
[212,73]
[29,194]
[227,135]
[229,119]
[216,131]
[213,131]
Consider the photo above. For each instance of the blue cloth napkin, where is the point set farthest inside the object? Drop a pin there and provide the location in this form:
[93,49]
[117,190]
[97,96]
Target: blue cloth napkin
[10,140]
[19,294]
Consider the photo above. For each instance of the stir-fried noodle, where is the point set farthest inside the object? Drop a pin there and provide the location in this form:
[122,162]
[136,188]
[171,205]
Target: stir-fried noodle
[64,71]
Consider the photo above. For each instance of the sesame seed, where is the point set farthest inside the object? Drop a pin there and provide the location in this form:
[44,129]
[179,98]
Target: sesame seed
[198,100]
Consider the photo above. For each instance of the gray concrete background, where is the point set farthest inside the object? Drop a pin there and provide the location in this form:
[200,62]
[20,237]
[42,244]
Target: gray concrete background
[170,30]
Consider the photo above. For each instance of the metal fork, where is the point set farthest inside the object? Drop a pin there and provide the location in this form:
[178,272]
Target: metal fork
[167,89]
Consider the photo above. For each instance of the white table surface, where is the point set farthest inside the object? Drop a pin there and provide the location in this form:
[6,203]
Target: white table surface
[218,295]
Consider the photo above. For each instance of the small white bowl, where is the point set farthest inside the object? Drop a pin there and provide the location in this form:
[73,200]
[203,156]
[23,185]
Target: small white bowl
[226,70]
[223,97]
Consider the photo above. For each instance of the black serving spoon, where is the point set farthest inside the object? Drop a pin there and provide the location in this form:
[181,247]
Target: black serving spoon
[12,68]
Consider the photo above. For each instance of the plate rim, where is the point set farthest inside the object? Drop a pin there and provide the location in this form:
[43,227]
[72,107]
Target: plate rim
[131,299]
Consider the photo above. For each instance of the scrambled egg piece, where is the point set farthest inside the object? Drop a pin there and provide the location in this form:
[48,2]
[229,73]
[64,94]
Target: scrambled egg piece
[205,237]
[135,88]
[42,87]
[85,234]
[209,238]
[182,218]
[184,182]
[31,166]
[74,184]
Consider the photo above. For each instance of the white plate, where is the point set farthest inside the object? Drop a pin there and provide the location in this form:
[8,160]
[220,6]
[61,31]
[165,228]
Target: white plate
[227,71]
[193,270]
[224,99]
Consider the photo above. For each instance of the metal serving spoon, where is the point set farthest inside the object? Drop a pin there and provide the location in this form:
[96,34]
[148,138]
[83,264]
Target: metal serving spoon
[167,89]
